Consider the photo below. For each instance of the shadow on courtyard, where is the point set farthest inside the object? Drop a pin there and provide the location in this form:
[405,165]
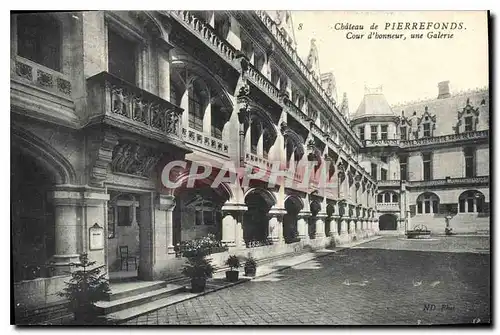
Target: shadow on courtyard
[389,286]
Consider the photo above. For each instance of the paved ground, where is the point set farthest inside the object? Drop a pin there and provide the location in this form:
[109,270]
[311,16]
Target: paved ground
[366,285]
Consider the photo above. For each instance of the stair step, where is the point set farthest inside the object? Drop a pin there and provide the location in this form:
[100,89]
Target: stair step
[107,307]
[123,290]
[132,312]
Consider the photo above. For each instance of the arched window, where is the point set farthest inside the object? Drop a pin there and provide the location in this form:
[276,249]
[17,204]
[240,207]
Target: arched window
[196,107]
[427,203]
[380,198]
[387,197]
[395,197]
[471,202]
[39,39]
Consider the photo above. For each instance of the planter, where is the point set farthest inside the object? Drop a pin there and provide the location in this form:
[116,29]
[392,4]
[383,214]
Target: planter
[418,234]
[250,271]
[232,276]
[198,284]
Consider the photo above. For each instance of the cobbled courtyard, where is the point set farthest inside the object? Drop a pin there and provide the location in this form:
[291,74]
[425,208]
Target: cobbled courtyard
[389,281]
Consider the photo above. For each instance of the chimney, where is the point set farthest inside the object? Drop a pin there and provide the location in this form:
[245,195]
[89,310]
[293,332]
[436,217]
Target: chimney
[444,89]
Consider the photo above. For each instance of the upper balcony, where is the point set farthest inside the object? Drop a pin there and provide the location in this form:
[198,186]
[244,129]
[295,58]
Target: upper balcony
[428,141]
[382,143]
[388,207]
[42,92]
[117,103]
[388,183]
[206,33]
[453,138]
[289,50]
[464,181]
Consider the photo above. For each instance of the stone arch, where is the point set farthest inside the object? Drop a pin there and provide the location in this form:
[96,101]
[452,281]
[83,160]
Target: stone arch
[223,189]
[471,201]
[388,222]
[60,168]
[267,196]
[160,30]
[427,203]
[295,201]
[200,71]
[32,214]
[293,205]
[255,220]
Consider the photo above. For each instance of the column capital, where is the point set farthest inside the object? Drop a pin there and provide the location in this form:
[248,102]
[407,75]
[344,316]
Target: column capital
[303,214]
[165,202]
[77,195]
[321,215]
[276,212]
[231,207]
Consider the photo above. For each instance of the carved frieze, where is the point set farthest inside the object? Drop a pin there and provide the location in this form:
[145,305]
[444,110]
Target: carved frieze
[135,159]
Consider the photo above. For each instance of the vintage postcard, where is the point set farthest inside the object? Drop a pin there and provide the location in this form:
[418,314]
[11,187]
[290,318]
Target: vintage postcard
[176,167]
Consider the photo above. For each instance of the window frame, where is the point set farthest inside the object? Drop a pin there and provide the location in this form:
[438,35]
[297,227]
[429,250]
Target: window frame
[384,132]
[60,27]
[134,35]
[466,118]
[373,134]
[424,164]
[195,121]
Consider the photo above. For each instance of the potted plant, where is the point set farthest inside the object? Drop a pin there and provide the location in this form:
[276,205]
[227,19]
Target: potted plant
[234,263]
[85,287]
[250,267]
[198,269]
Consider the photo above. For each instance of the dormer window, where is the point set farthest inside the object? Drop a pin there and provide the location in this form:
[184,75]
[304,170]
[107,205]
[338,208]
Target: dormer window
[426,124]
[427,129]
[467,119]
[469,123]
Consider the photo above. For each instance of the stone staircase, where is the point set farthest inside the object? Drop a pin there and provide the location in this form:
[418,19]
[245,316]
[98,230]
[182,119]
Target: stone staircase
[130,299]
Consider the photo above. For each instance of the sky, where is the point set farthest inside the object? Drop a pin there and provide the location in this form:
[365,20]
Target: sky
[407,69]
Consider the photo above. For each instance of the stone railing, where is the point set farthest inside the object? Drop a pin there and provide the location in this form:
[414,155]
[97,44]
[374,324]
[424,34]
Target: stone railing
[390,206]
[131,107]
[450,181]
[382,143]
[258,161]
[42,76]
[271,25]
[297,113]
[206,33]
[483,134]
[316,130]
[205,141]
[262,82]
[388,183]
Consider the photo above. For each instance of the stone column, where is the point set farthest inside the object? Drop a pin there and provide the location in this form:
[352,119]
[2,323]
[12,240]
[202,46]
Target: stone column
[302,218]
[232,224]
[76,210]
[352,227]
[276,225]
[156,235]
[359,228]
[166,204]
[320,225]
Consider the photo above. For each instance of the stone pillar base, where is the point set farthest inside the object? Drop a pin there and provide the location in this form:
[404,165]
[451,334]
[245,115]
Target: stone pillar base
[62,263]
